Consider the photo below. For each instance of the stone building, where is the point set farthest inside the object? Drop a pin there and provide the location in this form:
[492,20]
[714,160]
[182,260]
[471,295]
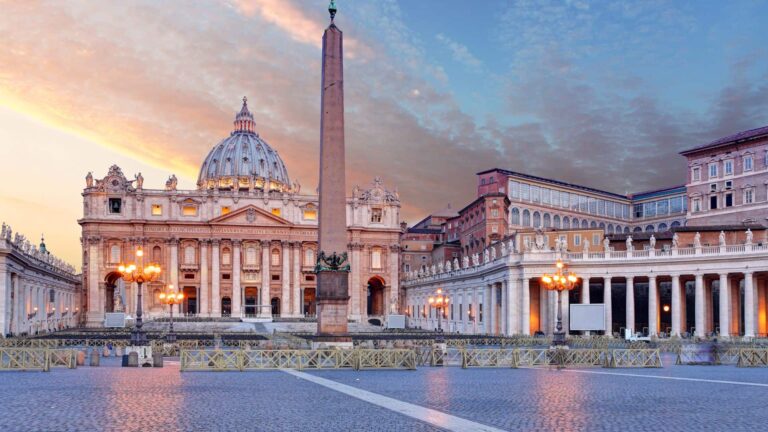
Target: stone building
[243,244]
[38,292]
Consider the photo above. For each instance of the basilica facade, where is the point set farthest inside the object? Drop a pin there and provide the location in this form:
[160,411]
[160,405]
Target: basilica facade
[243,244]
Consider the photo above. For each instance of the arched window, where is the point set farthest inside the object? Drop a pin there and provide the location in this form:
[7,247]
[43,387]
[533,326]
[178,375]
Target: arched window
[676,224]
[226,257]
[584,224]
[649,228]
[309,257]
[593,224]
[515,216]
[547,221]
[189,255]
[610,229]
[275,257]
[114,254]
[536,220]
[566,222]
[663,227]
[602,225]
[626,230]
[575,223]
[250,255]
[556,222]
[526,218]
[376,258]
[636,229]
[157,254]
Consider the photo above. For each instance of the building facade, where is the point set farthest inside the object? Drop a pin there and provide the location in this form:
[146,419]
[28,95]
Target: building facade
[38,292]
[243,244]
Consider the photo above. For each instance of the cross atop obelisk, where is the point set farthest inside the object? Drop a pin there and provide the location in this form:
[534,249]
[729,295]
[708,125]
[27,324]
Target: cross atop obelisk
[332,265]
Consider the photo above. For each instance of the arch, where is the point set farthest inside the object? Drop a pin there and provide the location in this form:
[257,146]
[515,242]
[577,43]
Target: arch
[226,306]
[584,223]
[676,224]
[609,228]
[226,257]
[189,305]
[663,227]
[650,228]
[309,257]
[593,224]
[547,220]
[526,218]
[515,220]
[575,223]
[275,257]
[251,295]
[602,225]
[157,254]
[113,285]
[636,230]
[566,222]
[536,219]
[275,303]
[556,222]
[376,296]
[626,230]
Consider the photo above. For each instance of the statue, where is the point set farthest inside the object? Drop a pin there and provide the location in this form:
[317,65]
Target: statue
[89,180]
[447,266]
[465,260]
[486,256]
[296,187]
[652,241]
[139,181]
[118,300]
[749,236]
[503,249]
[355,191]
[586,246]
[675,241]
[629,243]
[697,240]
[170,185]
[455,263]
[432,270]
[493,254]
[2,231]
[606,245]
[475,259]
[441,267]
[721,238]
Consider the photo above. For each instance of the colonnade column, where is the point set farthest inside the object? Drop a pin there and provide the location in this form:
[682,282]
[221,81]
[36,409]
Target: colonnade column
[394,280]
[699,299]
[264,312]
[525,327]
[630,304]
[204,301]
[585,296]
[676,309]
[653,307]
[475,309]
[490,300]
[237,290]
[512,305]
[285,295]
[355,299]
[215,279]
[296,280]
[504,330]
[543,308]
[749,306]
[173,272]
[608,306]
[725,321]
[94,313]
[5,290]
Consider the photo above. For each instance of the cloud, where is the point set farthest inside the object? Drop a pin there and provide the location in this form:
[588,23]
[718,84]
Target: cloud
[460,52]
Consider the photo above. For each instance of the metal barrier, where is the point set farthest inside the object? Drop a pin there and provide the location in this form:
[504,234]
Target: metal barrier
[692,355]
[241,360]
[635,358]
[62,358]
[726,354]
[753,357]
[533,357]
[490,358]
[578,357]
[20,359]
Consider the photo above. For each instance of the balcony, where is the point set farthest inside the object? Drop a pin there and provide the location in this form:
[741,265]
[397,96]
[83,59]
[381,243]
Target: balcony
[189,267]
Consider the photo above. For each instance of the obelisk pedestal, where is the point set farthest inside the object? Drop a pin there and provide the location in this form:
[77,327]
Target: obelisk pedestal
[332,263]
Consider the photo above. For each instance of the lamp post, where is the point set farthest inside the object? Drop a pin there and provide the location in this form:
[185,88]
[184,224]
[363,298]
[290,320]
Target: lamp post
[439,301]
[137,272]
[171,298]
[562,280]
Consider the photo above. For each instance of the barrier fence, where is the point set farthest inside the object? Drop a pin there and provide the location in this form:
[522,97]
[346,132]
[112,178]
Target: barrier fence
[25,359]
[753,357]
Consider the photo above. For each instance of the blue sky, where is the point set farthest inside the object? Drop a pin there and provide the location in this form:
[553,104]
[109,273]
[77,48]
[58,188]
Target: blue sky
[603,94]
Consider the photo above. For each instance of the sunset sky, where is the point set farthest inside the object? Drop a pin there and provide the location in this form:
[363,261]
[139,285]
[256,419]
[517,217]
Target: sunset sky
[598,93]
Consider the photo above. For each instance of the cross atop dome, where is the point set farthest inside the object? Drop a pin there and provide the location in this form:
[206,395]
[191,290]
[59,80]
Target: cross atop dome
[244,119]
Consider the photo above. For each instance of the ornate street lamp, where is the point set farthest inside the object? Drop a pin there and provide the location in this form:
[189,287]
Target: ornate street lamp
[137,272]
[561,281]
[171,298]
[439,301]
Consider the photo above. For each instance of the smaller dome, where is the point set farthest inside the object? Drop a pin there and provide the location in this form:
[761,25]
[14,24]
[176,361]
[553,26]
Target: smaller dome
[244,160]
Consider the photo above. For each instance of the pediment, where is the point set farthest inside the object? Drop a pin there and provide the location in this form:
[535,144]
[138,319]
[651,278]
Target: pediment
[250,215]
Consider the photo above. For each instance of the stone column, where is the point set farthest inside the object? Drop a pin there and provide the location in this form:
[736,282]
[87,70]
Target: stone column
[630,306]
[285,278]
[95,314]
[653,307]
[513,307]
[725,321]
[215,278]
[735,306]
[699,285]
[173,273]
[476,309]
[5,301]
[525,323]
[749,305]
[491,326]
[355,289]
[296,289]
[394,278]
[543,308]
[608,306]
[505,305]
[264,312]
[585,297]
[676,309]
[204,301]
[237,289]
[566,312]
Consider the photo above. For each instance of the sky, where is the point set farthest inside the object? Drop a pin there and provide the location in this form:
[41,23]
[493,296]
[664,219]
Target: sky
[603,94]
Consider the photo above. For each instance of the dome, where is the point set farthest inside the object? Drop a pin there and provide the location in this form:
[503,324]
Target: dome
[243,160]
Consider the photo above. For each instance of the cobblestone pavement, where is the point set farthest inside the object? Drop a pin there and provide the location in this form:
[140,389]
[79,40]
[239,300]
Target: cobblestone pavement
[120,399]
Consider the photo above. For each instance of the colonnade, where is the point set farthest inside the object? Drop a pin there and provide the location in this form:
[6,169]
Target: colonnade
[35,304]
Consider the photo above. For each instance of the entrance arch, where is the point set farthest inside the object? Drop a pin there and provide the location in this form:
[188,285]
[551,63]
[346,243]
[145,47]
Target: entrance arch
[309,302]
[275,303]
[251,298]
[376,296]
[113,283]
[189,306]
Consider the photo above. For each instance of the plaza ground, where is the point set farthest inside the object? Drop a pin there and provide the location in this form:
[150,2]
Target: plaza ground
[696,398]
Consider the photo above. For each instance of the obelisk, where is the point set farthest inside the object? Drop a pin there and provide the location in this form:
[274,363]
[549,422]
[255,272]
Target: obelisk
[332,266]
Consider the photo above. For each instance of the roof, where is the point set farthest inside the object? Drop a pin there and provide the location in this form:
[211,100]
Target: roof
[731,139]
[557,183]
[708,228]
[483,198]
[658,192]
[423,231]
[447,212]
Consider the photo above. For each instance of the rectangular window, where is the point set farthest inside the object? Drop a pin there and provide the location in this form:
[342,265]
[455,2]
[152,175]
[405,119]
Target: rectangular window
[713,202]
[595,239]
[728,167]
[376,259]
[638,211]
[577,240]
[713,170]
[115,205]
[275,277]
[545,194]
[729,185]
[649,209]
[535,192]
[494,213]
[601,207]
[582,203]
[574,202]
[451,311]
[747,163]
[525,192]
[748,196]
[157,210]
[189,210]
[729,200]
[480,312]
[713,187]
[225,210]
[461,312]
[376,215]
[662,207]
[494,229]
[226,276]
[696,206]
[696,174]
[564,199]
[514,189]
[310,214]
[276,211]
[676,205]
[592,205]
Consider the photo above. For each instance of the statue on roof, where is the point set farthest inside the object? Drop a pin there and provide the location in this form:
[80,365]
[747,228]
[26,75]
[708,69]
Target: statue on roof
[89,180]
